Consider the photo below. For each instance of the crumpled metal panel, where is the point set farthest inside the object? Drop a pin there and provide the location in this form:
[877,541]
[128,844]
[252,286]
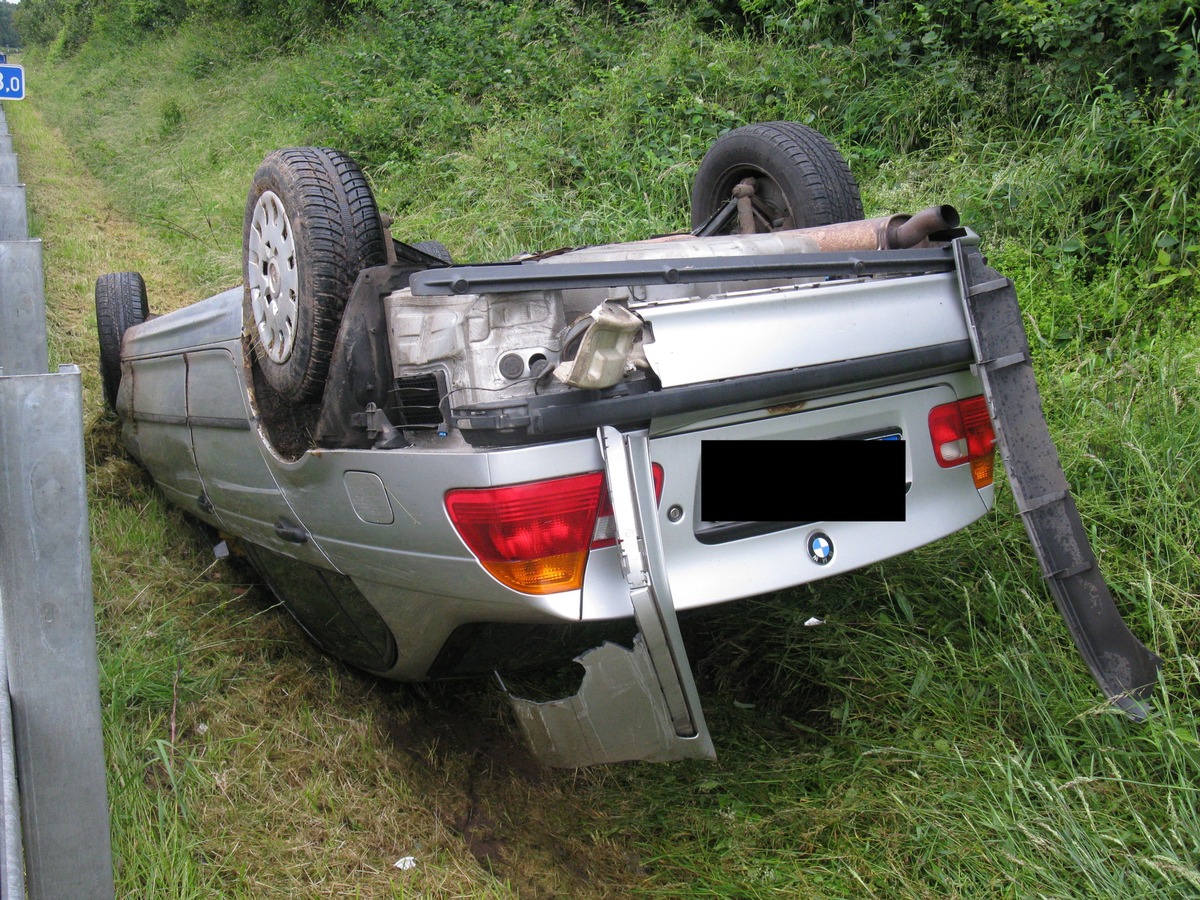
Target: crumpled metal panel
[618,715]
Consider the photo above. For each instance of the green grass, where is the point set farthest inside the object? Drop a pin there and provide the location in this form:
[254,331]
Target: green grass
[937,737]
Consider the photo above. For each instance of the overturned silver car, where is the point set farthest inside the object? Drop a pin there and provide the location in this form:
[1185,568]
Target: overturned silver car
[445,469]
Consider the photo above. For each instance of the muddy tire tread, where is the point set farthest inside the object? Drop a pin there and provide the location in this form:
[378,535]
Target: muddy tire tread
[120,304]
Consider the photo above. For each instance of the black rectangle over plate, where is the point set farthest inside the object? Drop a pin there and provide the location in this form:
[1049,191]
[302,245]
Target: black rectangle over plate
[802,481]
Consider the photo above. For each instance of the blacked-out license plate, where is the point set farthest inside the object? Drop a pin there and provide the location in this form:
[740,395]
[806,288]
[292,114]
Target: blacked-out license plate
[803,481]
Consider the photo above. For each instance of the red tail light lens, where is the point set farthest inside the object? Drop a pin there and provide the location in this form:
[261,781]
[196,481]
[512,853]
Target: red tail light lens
[535,537]
[962,433]
[606,526]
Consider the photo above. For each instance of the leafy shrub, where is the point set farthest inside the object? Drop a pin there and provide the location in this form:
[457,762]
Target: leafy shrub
[38,21]
[1133,46]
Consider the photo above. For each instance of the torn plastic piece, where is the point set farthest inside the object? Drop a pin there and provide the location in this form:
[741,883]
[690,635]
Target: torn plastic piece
[813,622]
[618,715]
[603,350]
[406,862]
[1124,668]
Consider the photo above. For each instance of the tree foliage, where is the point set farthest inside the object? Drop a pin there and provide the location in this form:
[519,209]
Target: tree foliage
[64,26]
[9,36]
[1130,44]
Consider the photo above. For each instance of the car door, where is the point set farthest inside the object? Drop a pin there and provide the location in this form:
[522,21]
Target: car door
[235,478]
[160,425]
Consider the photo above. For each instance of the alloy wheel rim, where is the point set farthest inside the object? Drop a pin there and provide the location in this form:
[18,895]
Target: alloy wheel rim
[272,277]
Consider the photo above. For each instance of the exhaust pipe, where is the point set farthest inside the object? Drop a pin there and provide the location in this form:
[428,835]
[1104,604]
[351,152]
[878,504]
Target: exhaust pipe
[899,232]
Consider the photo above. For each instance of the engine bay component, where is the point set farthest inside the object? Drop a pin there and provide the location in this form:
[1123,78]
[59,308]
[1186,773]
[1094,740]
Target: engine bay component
[604,348]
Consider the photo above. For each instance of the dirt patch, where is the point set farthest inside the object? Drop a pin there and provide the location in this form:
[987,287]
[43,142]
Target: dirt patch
[518,819]
[446,730]
[448,736]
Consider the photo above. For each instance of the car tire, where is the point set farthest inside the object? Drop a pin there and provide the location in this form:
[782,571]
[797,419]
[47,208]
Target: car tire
[801,180]
[120,303]
[436,249]
[311,226]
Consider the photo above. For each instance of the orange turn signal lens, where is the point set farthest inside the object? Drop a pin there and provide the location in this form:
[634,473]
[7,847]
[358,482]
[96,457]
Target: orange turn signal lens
[535,538]
[962,432]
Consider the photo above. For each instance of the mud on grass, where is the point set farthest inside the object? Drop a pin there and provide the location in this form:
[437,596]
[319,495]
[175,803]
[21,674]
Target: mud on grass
[364,772]
[285,773]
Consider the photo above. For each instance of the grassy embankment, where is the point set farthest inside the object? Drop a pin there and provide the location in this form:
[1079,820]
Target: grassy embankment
[937,737]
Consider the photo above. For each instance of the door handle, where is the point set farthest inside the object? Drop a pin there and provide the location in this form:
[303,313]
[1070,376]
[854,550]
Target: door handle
[290,532]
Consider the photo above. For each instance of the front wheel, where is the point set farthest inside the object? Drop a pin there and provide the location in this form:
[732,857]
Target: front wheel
[120,303]
[311,226]
[795,175]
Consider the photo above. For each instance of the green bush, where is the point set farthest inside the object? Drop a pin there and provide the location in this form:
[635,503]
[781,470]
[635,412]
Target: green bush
[1133,46]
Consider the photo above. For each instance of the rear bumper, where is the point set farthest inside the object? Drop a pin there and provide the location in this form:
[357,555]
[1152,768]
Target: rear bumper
[938,502]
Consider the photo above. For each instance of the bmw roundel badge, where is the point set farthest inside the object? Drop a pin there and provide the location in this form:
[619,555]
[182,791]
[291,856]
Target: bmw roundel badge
[820,548]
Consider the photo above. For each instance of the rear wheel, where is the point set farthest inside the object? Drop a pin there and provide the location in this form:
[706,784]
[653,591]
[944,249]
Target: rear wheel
[120,303]
[436,249]
[797,176]
[311,226]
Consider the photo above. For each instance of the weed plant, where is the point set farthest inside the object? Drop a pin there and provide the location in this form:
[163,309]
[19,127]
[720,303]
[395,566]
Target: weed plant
[937,735]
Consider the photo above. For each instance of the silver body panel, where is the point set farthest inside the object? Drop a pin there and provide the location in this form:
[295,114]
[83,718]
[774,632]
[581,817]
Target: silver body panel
[748,332]
[378,516]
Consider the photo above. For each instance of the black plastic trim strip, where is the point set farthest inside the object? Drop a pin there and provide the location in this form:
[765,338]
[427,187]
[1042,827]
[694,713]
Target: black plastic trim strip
[1122,665]
[535,275]
[578,411]
[725,532]
[231,424]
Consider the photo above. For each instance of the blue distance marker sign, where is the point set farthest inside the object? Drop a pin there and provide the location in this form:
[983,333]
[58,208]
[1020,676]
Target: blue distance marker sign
[12,83]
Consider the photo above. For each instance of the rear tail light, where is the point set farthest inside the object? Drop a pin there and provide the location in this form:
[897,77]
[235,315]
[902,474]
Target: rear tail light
[605,534]
[535,538]
[962,433]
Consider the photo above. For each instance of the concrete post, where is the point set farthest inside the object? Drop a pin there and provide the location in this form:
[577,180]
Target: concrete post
[14,223]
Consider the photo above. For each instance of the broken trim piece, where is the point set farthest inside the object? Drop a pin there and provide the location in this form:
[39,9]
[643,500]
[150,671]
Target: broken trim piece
[618,715]
[639,704]
[630,478]
[1122,665]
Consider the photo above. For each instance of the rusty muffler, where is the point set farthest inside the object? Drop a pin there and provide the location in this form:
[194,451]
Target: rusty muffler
[899,232]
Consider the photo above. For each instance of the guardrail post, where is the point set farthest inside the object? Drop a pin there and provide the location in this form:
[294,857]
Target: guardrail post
[12,858]
[14,223]
[46,586]
[47,624]
[22,309]
[12,868]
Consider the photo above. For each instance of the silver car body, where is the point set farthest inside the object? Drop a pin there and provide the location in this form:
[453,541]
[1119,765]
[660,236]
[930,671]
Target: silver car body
[379,517]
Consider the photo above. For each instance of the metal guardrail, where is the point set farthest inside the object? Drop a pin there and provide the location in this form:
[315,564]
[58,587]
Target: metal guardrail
[55,814]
